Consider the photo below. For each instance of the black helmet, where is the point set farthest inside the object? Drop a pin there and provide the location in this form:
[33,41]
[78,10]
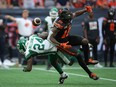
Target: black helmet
[111,13]
[65,14]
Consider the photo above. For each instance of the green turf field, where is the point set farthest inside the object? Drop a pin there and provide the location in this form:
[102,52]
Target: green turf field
[40,77]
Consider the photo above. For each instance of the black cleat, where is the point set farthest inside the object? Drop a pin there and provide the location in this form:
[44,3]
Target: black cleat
[93,76]
[92,62]
[62,78]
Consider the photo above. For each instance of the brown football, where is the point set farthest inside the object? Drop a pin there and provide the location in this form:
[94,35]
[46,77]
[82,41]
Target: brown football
[36,21]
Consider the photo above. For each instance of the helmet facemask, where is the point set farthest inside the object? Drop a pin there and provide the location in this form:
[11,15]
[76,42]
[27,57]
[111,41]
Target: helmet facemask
[111,13]
[66,15]
[53,13]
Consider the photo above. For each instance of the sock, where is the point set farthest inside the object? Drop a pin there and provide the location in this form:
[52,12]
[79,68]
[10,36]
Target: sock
[53,60]
[82,64]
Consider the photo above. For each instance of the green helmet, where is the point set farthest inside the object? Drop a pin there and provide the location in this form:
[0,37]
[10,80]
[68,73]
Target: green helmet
[21,44]
[53,12]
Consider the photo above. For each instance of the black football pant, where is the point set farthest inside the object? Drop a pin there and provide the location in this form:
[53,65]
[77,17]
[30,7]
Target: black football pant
[109,48]
[86,50]
[2,48]
[75,41]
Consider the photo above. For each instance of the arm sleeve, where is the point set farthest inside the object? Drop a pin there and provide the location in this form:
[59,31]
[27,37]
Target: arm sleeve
[103,29]
[18,20]
[58,26]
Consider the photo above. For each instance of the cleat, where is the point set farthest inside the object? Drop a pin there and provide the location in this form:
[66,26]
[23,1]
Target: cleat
[92,62]
[93,76]
[98,65]
[62,78]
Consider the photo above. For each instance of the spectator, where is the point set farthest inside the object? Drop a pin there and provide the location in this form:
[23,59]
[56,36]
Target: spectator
[91,2]
[25,27]
[12,34]
[91,33]
[28,4]
[109,35]
[112,4]
[3,22]
[102,4]
[3,4]
[62,3]
[40,3]
[49,3]
[14,3]
[78,3]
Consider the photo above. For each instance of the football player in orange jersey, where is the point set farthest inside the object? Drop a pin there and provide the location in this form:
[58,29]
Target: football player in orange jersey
[61,38]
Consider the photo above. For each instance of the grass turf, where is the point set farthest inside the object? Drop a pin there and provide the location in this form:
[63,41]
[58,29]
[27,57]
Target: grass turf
[39,77]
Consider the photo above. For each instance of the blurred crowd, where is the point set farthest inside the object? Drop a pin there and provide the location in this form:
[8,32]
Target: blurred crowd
[11,31]
[58,3]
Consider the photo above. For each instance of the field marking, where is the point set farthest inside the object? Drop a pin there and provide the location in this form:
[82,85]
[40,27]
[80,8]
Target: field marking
[43,69]
[113,80]
[89,68]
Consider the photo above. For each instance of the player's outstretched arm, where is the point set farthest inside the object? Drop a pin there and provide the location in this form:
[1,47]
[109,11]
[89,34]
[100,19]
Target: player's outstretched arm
[80,12]
[29,65]
[52,35]
[10,17]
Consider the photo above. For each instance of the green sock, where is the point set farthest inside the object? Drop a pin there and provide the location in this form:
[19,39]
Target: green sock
[53,60]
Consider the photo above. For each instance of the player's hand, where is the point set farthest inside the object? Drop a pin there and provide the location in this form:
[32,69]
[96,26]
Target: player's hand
[88,8]
[25,69]
[65,45]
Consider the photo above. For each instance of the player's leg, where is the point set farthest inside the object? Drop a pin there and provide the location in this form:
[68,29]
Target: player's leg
[81,62]
[106,54]
[54,63]
[48,63]
[112,46]
[78,40]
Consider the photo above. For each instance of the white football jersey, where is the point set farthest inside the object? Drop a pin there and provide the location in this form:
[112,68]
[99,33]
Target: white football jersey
[38,46]
[25,27]
[48,19]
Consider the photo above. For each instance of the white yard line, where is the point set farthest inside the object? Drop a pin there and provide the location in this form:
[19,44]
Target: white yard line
[43,69]
[112,80]
[89,68]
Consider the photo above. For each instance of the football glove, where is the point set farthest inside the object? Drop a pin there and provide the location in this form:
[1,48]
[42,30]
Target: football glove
[88,8]
[64,45]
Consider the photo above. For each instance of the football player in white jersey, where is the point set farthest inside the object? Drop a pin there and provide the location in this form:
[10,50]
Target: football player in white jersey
[49,20]
[35,46]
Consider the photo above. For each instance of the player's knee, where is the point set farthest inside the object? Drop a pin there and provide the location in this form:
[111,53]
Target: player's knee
[85,41]
[79,56]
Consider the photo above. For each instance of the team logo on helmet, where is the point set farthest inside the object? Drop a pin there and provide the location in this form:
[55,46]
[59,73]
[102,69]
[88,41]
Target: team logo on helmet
[53,12]
[21,44]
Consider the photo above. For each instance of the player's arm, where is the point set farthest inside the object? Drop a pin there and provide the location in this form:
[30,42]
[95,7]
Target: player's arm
[98,38]
[43,35]
[53,34]
[11,18]
[80,12]
[103,28]
[29,65]
[84,29]
[46,26]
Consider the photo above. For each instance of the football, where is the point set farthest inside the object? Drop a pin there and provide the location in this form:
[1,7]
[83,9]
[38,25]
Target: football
[36,21]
